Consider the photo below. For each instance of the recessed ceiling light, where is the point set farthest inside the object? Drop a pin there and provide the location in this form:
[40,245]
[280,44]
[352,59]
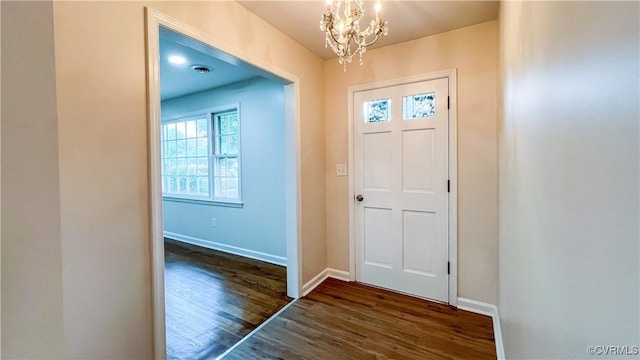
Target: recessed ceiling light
[202,69]
[177,59]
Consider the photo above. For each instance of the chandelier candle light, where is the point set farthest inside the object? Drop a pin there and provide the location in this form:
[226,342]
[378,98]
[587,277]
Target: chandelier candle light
[341,24]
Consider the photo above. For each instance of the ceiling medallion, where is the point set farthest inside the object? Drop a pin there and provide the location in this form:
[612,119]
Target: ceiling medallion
[341,24]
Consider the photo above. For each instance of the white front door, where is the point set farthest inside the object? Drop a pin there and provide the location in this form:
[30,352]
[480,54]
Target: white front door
[401,184]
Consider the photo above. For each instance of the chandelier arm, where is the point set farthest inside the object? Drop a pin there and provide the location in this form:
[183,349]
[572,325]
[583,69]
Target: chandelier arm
[336,40]
[365,44]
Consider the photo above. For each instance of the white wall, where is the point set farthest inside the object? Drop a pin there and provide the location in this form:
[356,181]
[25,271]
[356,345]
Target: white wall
[259,226]
[569,175]
[31,246]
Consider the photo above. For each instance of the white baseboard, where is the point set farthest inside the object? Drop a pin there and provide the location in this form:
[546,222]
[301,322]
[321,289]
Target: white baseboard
[322,276]
[488,310]
[314,282]
[338,274]
[273,259]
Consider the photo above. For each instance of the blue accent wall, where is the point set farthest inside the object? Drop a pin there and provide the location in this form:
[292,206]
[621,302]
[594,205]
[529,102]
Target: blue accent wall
[258,227]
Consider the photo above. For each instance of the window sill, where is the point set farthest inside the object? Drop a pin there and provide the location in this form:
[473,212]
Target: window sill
[204,202]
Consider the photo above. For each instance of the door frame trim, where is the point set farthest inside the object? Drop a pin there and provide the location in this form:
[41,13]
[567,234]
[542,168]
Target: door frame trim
[451,75]
[293,176]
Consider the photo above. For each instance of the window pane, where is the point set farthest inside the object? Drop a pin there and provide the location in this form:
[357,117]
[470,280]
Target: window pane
[201,127]
[222,167]
[418,106]
[233,144]
[220,191]
[172,151]
[170,167]
[164,184]
[377,111]
[203,183]
[182,184]
[171,131]
[232,167]
[192,164]
[173,184]
[192,148]
[224,144]
[202,147]
[193,184]
[224,124]
[203,167]
[181,148]
[233,123]
[182,167]
[181,130]
[191,129]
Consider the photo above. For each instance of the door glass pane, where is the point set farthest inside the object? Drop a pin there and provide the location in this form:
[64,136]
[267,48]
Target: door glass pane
[377,111]
[418,106]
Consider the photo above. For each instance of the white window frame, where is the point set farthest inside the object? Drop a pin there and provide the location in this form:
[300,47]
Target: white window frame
[212,137]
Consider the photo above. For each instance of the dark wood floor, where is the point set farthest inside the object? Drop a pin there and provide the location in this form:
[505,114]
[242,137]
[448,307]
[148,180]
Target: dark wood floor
[213,299]
[340,320]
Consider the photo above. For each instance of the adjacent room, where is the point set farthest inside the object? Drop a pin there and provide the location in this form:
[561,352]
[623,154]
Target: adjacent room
[223,169]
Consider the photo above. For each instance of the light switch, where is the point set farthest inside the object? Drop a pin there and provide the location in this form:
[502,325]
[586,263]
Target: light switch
[341,170]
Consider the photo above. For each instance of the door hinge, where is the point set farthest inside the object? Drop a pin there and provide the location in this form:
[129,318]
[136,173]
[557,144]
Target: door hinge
[448,186]
[448,102]
[448,268]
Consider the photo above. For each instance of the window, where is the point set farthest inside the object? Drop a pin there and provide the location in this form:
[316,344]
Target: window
[377,111]
[227,148]
[201,157]
[418,106]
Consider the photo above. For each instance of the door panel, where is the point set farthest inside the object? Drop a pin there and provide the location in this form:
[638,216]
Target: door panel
[377,161]
[401,170]
[377,223]
[418,158]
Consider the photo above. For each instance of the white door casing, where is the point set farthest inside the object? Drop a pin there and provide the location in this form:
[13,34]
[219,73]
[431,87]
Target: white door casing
[293,174]
[401,169]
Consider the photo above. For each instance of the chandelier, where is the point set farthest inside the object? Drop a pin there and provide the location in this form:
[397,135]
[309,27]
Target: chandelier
[341,24]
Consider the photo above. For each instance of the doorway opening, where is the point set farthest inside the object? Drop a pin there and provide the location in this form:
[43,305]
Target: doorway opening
[215,144]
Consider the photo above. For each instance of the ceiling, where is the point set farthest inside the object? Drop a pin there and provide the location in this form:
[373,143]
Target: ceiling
[300,19]
[179,79]
[408,20]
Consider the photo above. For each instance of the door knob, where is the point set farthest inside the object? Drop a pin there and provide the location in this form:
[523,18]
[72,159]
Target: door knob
[359,197]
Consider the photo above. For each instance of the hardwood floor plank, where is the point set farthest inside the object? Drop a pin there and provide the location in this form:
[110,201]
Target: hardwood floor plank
[340,320]
[214,299]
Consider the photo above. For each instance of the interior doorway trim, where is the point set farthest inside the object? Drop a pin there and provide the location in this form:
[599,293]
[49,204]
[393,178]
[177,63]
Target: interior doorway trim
[155,19]
[451,75]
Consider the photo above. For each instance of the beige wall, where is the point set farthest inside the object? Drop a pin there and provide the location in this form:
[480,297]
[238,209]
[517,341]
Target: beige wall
[473,51]
[76,258]
[31,250]
[569,175]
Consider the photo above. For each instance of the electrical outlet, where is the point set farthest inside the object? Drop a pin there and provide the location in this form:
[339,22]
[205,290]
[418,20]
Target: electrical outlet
[341,170]
[214,222]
